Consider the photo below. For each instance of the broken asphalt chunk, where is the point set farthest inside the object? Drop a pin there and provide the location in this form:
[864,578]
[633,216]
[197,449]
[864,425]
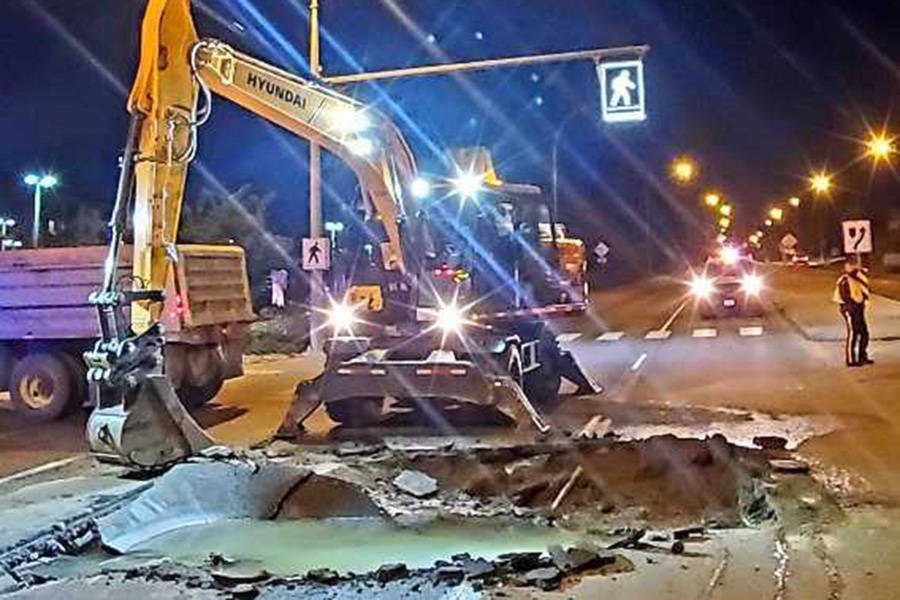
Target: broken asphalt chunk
[416,483]
[629,540]
[391,572]
[575,560]
[323,576]
[451,575]
[545,578]
[519,561]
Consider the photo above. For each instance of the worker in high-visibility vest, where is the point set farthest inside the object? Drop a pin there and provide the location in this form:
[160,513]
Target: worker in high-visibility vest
[851,292]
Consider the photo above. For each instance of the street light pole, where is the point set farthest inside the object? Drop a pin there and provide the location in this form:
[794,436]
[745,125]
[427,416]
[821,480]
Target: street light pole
[317,296]
[36,225]
[38,182]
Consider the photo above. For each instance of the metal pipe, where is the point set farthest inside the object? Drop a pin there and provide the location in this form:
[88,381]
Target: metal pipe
[596,54]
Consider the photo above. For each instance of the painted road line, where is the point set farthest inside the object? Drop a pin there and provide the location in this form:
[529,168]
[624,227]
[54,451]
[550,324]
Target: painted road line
[674,316]
[658,334]
[751,331]
[611,336]
[705,332]
[640,361]
[56,464]
[568,337]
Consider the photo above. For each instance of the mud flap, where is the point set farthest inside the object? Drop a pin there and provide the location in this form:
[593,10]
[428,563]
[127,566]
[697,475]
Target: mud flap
[149,430]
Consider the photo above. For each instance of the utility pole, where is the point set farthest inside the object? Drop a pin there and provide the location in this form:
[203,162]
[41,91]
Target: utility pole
[316,292]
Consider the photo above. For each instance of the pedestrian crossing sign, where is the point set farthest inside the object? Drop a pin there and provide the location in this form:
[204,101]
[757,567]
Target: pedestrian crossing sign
[622,88]
[316,254]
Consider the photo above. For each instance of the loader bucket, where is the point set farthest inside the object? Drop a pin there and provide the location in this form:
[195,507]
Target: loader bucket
[149,430]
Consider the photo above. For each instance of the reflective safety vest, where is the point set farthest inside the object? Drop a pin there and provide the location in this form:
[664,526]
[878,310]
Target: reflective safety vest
[852,287]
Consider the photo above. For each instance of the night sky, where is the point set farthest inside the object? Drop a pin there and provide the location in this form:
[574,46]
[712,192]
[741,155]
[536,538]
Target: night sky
[758,92]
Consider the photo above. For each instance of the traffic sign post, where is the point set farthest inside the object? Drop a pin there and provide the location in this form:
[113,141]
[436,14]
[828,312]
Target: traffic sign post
[316,254]
[857,238]
[622,90]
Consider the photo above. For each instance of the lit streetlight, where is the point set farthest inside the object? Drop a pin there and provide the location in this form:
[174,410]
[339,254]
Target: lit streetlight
[684,170]
[880,147]
[726,210]
[724,223]
[712,199]
[794,201]
[820,182]
[38,182]
[776,213]
[333,228]
[769,222]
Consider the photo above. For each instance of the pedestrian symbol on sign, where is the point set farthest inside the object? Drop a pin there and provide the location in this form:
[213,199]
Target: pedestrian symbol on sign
[622,89]
[622,86]
[316,254]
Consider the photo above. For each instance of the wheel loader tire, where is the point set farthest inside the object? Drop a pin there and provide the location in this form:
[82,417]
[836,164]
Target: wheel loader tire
[195,396]
[356,412]
[41,387]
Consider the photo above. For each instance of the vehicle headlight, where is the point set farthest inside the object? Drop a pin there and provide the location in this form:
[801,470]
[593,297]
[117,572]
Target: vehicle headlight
[752,284]
[701,287]
[341,317]
[450,318]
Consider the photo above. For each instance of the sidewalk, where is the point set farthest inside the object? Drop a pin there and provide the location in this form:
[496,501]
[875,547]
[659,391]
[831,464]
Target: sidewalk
[804,297]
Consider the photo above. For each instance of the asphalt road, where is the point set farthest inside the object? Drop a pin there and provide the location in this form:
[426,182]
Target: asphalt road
[687,366]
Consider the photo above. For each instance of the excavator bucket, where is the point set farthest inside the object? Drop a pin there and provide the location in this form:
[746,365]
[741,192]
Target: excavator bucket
[149,430]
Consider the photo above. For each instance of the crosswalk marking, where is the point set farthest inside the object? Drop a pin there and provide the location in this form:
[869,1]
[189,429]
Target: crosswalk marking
[611,336]
[568,337]
[705,332]
[751,331]
[658,334]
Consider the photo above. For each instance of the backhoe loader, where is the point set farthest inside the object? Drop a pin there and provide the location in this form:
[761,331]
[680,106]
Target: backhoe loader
[427,358]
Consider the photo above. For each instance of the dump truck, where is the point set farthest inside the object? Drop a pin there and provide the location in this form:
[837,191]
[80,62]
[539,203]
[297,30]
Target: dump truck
[47,323]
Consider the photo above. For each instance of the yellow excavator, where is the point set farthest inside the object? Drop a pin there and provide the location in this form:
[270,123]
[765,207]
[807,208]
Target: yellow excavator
[138,419]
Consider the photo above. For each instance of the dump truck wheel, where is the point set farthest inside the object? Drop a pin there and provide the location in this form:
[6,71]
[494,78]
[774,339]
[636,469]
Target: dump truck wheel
[195,396]
[356,412]
[41,387]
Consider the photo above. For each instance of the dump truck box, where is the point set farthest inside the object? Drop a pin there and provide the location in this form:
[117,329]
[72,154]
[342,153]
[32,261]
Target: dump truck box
[46,321]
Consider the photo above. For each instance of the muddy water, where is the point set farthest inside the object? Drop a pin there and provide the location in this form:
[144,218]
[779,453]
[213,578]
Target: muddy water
[357,545]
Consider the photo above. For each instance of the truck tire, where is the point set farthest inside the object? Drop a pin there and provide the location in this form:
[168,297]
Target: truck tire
[41,387]
[195,396]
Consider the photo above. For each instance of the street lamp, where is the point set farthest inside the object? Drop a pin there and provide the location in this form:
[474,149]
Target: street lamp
[712,199]
[776,213]
[333,228]
[38,182]
[725,210]
[794,201]
[820,182]
[880,147]
[769,222]
[684,170]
